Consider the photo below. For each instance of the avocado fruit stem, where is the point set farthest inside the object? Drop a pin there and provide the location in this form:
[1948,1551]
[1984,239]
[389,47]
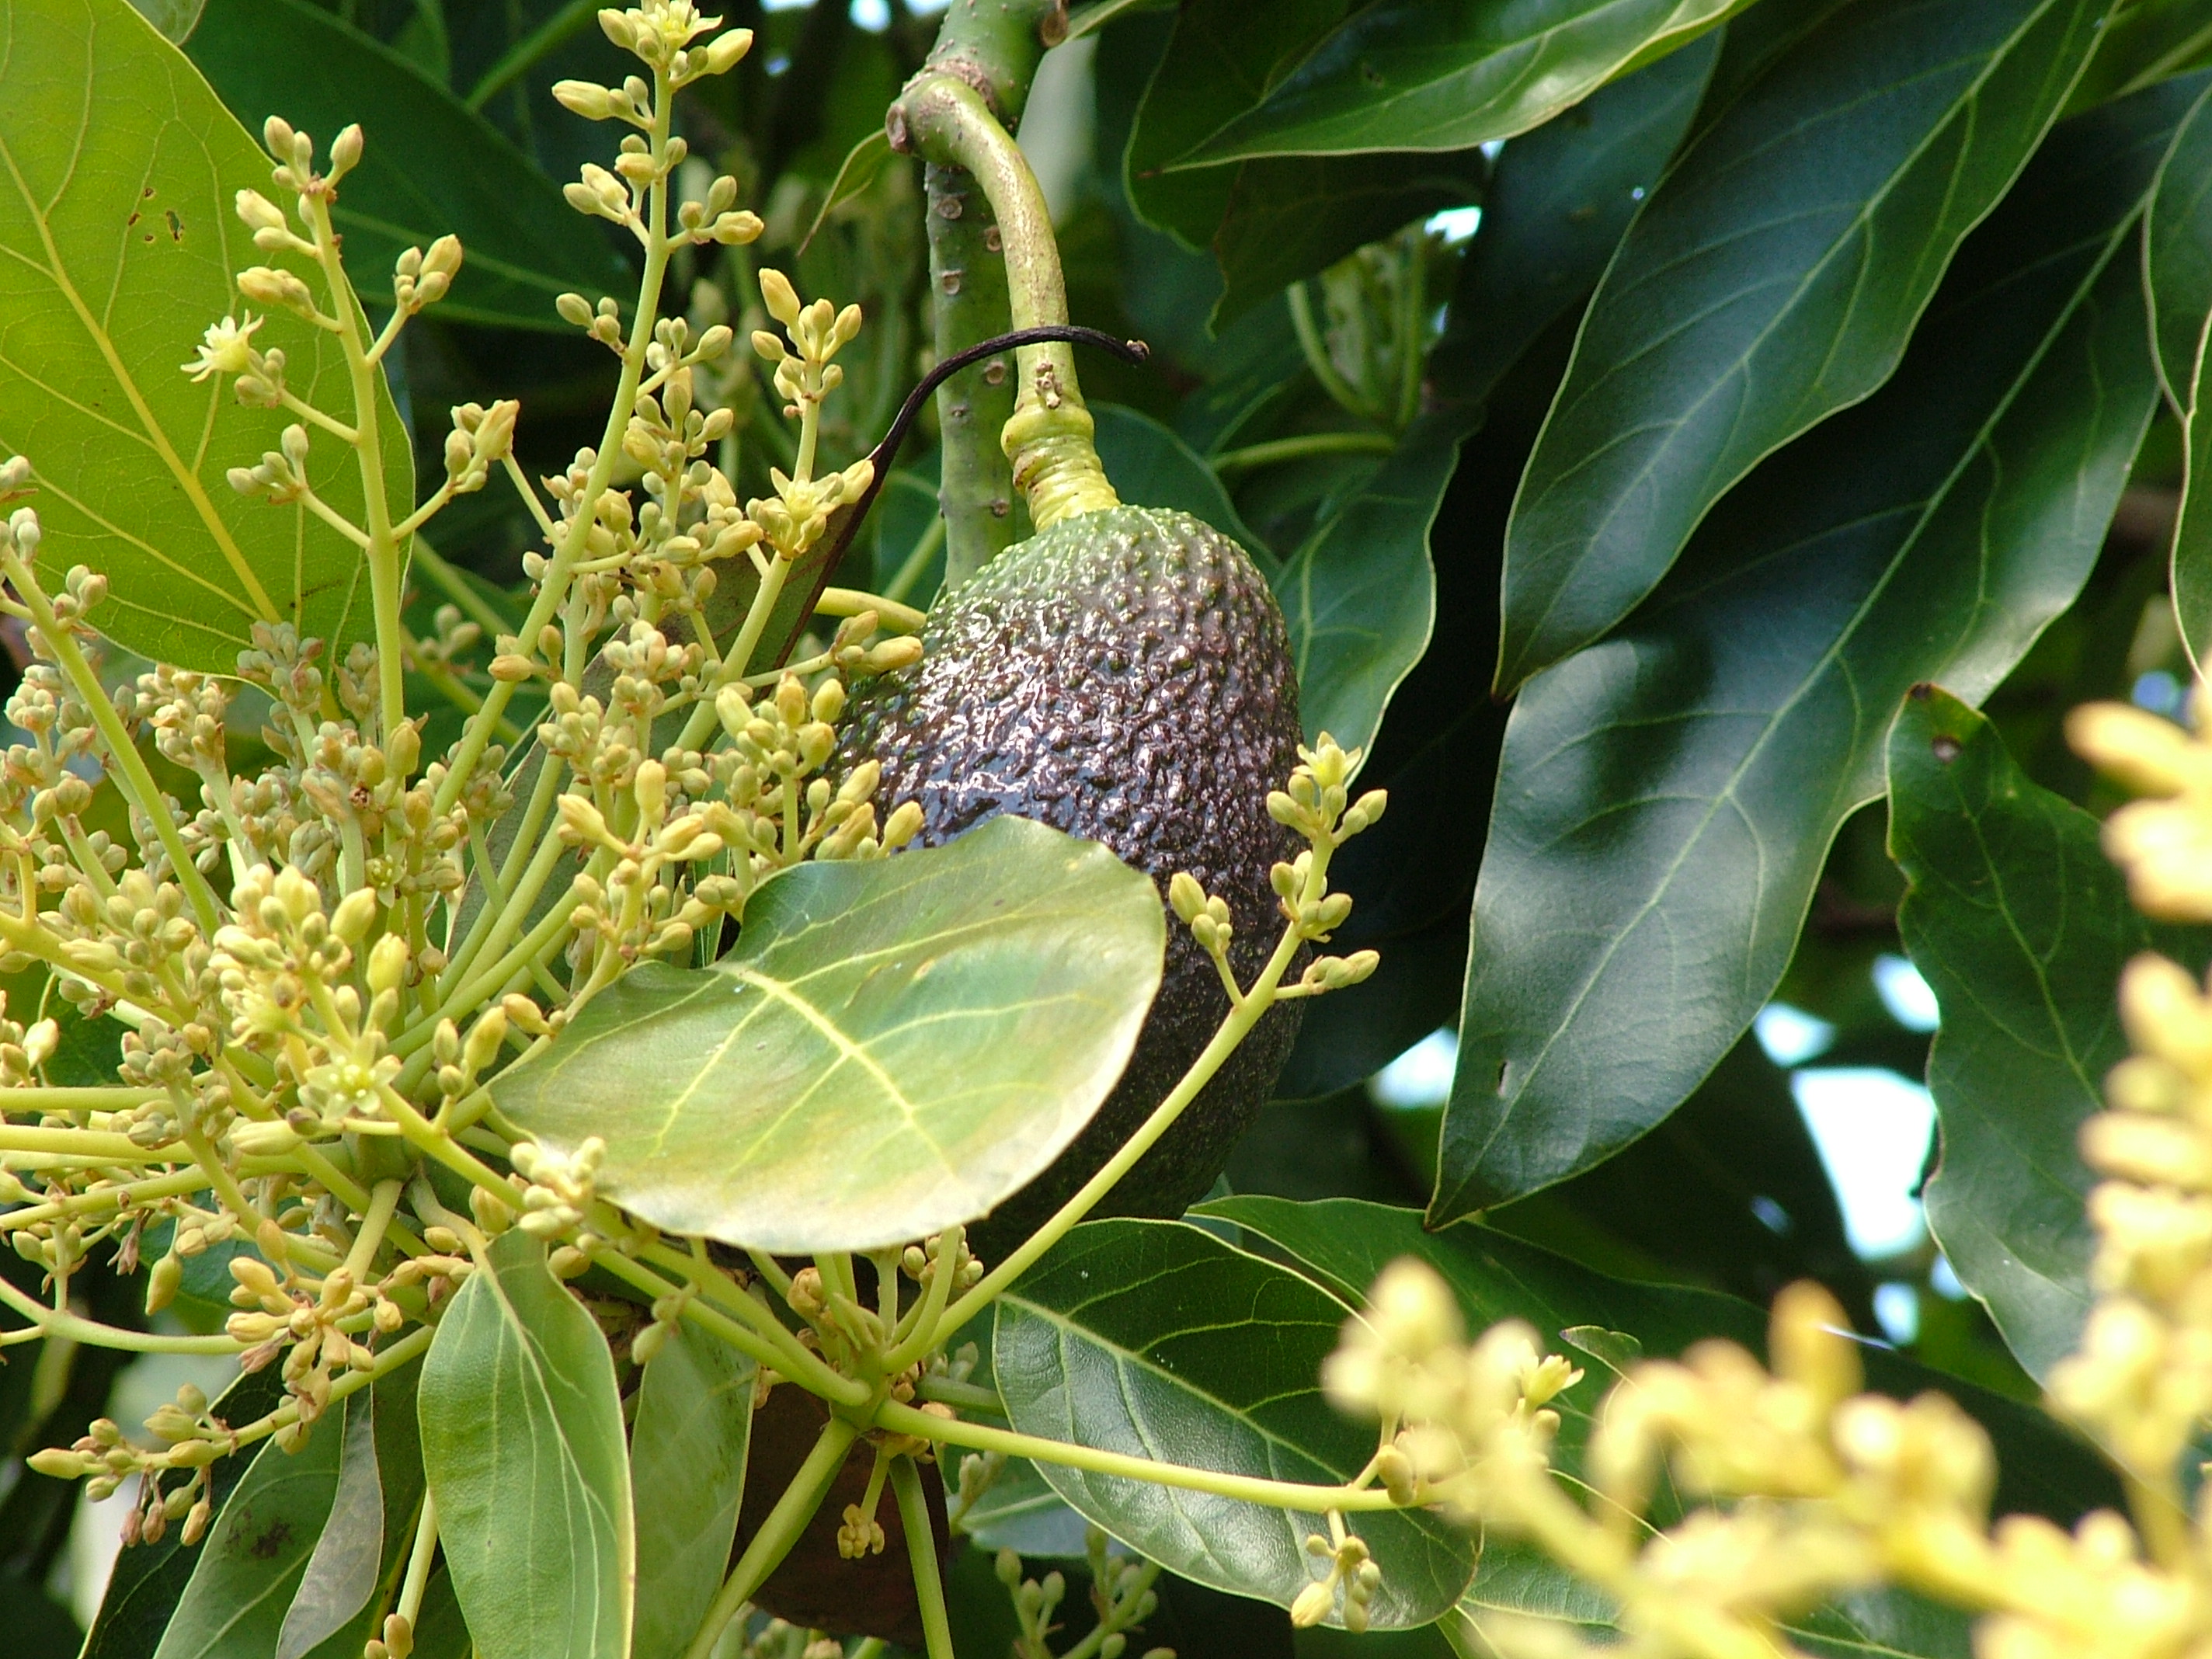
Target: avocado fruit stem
[1049,438]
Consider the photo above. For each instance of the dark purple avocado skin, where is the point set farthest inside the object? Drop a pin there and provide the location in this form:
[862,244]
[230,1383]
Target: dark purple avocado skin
[1125,677]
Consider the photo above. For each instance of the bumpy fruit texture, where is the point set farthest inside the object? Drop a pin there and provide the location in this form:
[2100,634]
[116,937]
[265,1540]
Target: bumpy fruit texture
[1125,676]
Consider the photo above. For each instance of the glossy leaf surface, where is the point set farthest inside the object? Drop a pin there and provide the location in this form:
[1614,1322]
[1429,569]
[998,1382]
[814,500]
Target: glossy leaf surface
[522,1444]
[2177,276]
[1558,200]
[1360,595]
[1773,277]
[688,1444]
[1155,1340]
[149,1581]
[1420,75]
[432,165]
[256,1553]
[340,1576]
[1666,799]
[1345,1244]
[1151,466]
[117,222]
[1273,220]
[892,1047]
[2021,925]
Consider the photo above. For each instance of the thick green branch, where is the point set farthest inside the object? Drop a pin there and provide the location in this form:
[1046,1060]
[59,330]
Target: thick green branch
[1049,438]
[968,301]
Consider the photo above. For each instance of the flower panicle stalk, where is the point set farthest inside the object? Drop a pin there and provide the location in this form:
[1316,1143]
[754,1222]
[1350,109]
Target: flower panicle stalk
[316,966]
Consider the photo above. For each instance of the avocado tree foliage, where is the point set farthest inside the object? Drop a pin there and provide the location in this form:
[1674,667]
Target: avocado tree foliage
[729,1001]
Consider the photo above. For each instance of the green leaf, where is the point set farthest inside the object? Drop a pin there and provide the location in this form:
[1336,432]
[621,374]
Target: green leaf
[862,166]
[1285,220]
[1360,595]
[893,1046]
[1158,1339]
[150,1579]
[1345,1244]
[1021,1512]
[1151,465]
[1415,74]
[695,1415]
[1221,57]
[1272,220]
[432,165]
[2021,925]
[398,1468]
[1666,799]
[257,1552]
[2144,43]
[2178,279]
[117,219]
[1558,200]
[341,1576]
[174,18]
[522,1442]
[1773,277]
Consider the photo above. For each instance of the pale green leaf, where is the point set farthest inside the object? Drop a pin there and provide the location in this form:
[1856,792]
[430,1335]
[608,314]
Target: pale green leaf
[893,1046]
[522,1444]
[119,241]
[687,1445]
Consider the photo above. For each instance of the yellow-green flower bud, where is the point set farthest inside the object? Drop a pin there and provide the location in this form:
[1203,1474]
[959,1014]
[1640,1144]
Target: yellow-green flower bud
[778,296]
[387,964]
[355,916]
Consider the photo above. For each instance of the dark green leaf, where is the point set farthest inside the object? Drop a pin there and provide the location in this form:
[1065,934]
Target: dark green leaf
[1343,1245]
[1153,467]
[522,1442]
[257,1552]
[121,240]
[1773,277]
[399,1478]
[341,1575]
[1360,595]
[149,1579]
[1348,1035]
[1558,200]
[2142,43]
[2021,925]
[1148,1337]
[1268,221]
[2177,252]
[1417,74]
[432,165]
[1287,219]
[1666,799]
[694,1415]
[2178,277]
[1729,1192]
[1221,59]
[892,1047]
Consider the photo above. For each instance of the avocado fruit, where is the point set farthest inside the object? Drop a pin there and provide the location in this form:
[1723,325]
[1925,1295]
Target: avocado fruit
[1124,676]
